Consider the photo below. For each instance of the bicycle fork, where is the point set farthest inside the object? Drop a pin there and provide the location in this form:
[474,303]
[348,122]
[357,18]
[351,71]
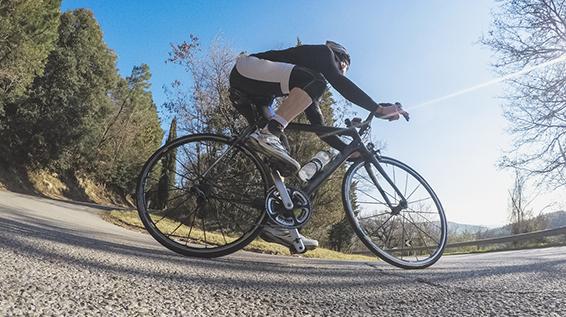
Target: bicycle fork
[395,210]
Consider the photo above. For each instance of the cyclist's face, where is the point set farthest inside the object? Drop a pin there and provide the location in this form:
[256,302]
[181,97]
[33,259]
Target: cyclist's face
[343,67]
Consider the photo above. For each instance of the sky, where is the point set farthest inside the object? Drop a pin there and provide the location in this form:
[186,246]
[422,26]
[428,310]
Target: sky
[406,51]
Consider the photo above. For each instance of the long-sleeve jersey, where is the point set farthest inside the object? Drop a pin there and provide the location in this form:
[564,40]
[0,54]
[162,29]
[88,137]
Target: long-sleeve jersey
[320,58]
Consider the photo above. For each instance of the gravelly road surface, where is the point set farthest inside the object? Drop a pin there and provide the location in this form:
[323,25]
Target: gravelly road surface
[60,258]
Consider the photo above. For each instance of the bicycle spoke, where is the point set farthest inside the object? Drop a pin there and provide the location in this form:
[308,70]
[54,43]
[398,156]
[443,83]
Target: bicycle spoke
[156,181]
[373,216]
[204,231]
[191,161]
[191,228]
[428,220]
[386,221]
[409,210]
[179,226]
[372,203]
[186,168]
[424,241]
[218,160]
[388,242]
[406,184]
[370,196]
[418,200]
[418,228]
[414,190]
[221,227]
[394,181]
[375,184]
[403,243]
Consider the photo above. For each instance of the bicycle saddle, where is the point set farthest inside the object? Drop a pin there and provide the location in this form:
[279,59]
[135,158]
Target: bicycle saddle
[256,109]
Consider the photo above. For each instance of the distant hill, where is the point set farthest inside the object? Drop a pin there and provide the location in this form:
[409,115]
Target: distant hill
[553,220]
[556,219]
[458,228]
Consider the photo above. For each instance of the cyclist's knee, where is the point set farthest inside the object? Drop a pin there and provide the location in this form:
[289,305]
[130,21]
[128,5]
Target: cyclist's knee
[312,83]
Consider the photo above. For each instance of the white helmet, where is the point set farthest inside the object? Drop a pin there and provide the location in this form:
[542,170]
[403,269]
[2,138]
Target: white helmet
[340,52]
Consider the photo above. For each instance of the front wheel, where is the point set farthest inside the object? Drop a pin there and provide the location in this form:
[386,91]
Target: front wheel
[411,236]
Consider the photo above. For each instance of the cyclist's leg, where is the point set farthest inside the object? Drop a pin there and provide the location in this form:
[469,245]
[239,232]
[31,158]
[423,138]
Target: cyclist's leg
[306,88]
[266,78]
[314,115]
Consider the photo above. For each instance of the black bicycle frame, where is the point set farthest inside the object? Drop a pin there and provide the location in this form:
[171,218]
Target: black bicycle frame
[356,145]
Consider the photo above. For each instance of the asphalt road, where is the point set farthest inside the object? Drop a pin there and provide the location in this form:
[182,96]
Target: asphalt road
[60,258]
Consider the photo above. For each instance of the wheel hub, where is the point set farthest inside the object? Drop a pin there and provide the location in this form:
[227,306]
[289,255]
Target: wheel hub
[201,191]
[397,209]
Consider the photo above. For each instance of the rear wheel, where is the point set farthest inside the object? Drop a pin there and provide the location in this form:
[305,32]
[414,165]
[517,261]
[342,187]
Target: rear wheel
[411,236]
[203,196]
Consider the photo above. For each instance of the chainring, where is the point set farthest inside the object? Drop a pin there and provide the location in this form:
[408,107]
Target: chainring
[290,219]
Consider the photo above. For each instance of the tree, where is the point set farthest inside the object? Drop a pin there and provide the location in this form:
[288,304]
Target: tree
[518,205]
[28,30]
[168,172]
[132,131]
[205,107]
[526,33]
[520,213]
[341,235]
[61,119]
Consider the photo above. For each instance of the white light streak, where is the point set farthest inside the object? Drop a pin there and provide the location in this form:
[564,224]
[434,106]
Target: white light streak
[491,82]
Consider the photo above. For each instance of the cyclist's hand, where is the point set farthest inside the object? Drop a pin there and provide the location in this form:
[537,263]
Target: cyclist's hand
[391,111]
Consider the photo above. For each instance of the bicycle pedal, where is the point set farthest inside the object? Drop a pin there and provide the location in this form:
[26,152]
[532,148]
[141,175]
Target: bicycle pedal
[298,244]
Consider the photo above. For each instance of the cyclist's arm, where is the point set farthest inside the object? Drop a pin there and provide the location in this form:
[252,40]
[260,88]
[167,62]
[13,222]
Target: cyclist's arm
[342,84]
[357,96]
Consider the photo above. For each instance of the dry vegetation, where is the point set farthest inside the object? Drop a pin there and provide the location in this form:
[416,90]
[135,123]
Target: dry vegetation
[131,220]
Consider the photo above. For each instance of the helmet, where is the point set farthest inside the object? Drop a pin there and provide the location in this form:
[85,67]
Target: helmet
[339,51]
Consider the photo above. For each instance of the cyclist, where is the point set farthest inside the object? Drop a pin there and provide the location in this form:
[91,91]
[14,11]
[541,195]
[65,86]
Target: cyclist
[301,73]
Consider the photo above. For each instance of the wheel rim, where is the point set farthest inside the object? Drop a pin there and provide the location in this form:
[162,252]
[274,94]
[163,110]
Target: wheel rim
[413,235]
[212,202]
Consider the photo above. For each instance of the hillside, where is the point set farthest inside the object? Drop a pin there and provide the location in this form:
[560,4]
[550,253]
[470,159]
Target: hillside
[553,220]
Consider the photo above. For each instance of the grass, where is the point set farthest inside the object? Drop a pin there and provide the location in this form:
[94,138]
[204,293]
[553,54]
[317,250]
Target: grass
[131,220]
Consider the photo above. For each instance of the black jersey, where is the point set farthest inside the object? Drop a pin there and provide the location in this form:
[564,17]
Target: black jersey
[320,58]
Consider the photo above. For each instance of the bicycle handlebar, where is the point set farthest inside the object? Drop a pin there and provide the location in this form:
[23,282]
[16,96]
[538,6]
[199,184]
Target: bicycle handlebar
[358,123]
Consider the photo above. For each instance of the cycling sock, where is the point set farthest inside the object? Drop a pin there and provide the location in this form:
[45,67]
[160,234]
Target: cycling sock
[275,127]
[281,120]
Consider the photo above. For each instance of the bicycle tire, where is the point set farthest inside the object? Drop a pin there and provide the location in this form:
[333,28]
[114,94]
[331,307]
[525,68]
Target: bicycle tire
[364,228]
[202,195]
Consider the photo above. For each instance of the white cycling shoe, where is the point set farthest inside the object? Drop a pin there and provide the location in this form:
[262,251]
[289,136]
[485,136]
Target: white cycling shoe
[270,145]
[276,234]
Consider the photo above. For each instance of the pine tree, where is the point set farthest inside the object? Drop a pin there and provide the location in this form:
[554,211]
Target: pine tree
[60,121]
[167,179]
[28,31]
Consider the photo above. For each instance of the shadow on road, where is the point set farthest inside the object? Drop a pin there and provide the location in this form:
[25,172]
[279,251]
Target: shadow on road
[30,239]
[45,240]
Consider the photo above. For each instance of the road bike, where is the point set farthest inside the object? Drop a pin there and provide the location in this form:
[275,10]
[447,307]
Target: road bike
[209,195]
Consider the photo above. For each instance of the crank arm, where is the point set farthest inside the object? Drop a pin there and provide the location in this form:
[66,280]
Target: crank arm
[297,241]
[285,198]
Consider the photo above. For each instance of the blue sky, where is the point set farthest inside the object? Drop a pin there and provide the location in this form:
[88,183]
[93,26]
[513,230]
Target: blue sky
[407,51]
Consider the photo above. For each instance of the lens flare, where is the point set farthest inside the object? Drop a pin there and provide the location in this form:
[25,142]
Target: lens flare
[491,82]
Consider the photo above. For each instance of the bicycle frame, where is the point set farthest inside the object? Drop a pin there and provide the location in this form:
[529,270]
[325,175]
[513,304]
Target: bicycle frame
[357,145]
